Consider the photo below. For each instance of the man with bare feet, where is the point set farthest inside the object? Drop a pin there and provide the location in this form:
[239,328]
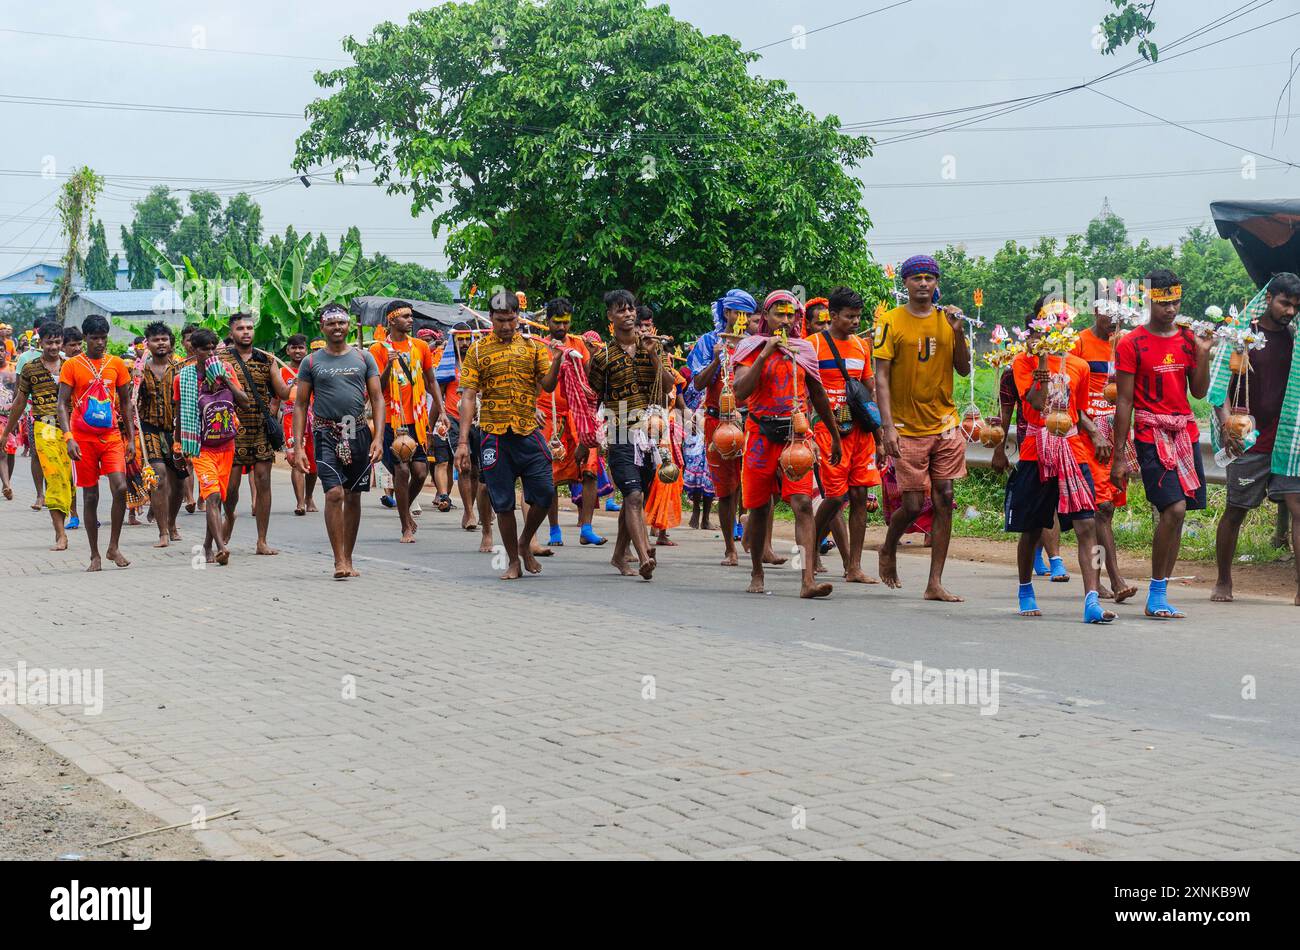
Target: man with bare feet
[1271,467]
[205,422]
[38,387]
[257,376]
[841,356]
[710,363]
[157,413]
[94,392]
[506,368]
[629,376]
[917,347]
[341,378]
[779,380]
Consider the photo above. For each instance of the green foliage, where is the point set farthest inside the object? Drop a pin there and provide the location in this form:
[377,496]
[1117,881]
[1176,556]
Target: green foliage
[574,146]
[99,270]
[22,313]
[1017,274]
[1132,21]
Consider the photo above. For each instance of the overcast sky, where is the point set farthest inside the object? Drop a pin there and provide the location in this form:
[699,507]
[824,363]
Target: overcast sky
[923,57]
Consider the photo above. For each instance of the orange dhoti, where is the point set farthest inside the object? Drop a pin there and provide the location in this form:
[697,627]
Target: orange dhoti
[663,508]
[566,469]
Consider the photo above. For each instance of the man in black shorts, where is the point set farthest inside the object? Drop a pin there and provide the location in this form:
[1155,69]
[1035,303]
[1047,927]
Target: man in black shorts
[506,368]
[342,378]
[625,376]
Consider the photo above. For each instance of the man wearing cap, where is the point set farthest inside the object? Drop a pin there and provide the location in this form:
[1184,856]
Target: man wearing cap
[706,362]
[917,346]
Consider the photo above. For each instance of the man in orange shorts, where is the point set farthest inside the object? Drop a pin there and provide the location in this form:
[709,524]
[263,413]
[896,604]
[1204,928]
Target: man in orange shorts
[1096,346]
[707,373]
[841,356]
[774,373]
[206,431]
[917,347]
[573,463]
[93,388]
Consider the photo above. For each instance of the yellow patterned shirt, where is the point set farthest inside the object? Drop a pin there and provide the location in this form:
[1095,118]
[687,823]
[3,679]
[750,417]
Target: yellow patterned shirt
[507,377]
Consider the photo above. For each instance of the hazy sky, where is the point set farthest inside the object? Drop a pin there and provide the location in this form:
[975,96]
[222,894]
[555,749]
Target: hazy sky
[923,57]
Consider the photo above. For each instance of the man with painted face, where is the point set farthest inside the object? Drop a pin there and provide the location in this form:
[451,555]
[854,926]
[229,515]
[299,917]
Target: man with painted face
[1158,365]
[1271,394]
[731,314]
[778,375]
[917,347]
[507,368]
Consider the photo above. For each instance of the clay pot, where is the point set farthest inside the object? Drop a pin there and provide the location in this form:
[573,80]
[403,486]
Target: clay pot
[872,504]
[971,424]
[1111,392]
[655,428]
[728,440]
[403,447]
[558,452]
[797,459]
[726,402]
[669,472]
[1239,426]
[1058,422]
[799,422]
[992,435]
[1239,362]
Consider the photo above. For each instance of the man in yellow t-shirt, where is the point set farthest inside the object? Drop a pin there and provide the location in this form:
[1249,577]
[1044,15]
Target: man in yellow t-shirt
[917,346]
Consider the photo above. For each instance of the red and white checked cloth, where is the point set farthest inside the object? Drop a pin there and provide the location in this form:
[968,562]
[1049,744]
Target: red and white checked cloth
[1173,446]
[1056,460]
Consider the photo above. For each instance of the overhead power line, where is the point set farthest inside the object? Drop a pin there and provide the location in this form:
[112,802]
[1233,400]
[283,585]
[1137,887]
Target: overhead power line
[191,48]
[829,26]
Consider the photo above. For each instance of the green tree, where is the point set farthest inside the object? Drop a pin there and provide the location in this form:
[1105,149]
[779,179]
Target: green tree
[155,219]
[21,313]
[570,146]
[98,270]
[412,280]
[196,236]
[241,228]
[1132,20]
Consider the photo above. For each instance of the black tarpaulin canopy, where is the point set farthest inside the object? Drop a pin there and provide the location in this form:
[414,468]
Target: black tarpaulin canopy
[435,316]
[1266,234]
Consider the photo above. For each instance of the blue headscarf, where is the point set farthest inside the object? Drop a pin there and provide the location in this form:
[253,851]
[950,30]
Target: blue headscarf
[921,264]
[733,300]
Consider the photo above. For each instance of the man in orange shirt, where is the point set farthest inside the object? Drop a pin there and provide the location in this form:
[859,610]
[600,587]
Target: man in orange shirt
[1052,480]
[406,374]
[841,356]
[579,463]
[92,389]
[1096,347]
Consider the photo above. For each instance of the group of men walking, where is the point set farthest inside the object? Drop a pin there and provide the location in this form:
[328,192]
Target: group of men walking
[795,403]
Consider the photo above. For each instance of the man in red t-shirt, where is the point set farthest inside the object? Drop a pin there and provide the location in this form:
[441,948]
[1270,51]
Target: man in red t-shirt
[1157,365]
[1052,481]
[769,379]
[86,383]
[840,346]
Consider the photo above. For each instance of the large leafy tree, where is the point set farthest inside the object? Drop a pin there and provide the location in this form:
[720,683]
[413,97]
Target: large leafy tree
[155,220]
[570,146]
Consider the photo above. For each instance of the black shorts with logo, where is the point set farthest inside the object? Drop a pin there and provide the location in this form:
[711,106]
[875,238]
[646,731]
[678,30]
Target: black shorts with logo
[354,476]
[504,458]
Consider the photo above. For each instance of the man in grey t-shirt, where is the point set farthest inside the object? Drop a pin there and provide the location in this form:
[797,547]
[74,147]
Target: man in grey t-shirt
[341,378]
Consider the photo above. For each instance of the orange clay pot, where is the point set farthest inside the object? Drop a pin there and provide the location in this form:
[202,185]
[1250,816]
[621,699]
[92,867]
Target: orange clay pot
[403,447]
[728,440]
[669,472]
[1058,422]
[1239,362]
[726,402]
[971,424]
[992,435]
[1239,425]
[1111,392]
[799,422]
[797,459]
